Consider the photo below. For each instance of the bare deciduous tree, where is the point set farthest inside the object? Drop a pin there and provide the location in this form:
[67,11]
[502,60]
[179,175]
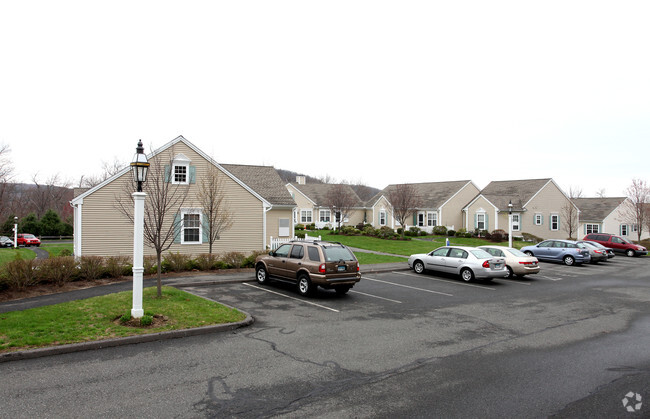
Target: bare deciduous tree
[569,212]
[49,194]
[340,199]
[7,188]
[216,212]
[405,201]
[635,208]
[109,169]
[164,200]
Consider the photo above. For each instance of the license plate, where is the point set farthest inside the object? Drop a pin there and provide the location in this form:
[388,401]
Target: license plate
[498,265]
[343,268]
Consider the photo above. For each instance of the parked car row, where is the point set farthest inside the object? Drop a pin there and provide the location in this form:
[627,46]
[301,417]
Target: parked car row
[22,239]
[617,244]
[485,262]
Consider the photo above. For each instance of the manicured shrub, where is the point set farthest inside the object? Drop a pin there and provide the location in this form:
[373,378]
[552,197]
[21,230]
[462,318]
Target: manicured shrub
[531,238]
[300,226]
[150,265]
[177,262]
[58,270]
[91,267]
[498,236]
[233,259]
[451,233]
[146,320]
[20,273]
[440,230]
[249,262]
[117,266]
[206,261]
[300,234]
[412,231]
[460,232]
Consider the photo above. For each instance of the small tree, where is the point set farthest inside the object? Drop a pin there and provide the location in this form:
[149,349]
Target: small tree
[340,199]
[405,201]
[217,216]
[51,224]
[164,200]
[569,212]
[635,209]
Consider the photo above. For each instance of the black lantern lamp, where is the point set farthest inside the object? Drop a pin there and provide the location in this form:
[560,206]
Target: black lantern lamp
[140,165]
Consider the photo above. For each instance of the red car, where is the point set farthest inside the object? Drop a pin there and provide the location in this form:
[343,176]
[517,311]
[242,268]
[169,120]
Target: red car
[28,240]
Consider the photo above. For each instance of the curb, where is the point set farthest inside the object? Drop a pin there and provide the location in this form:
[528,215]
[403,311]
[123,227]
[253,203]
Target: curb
[130,340]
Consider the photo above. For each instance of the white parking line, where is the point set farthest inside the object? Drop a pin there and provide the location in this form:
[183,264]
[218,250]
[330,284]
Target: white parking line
[292,298]
[514,281]
[548,278]
[445,280]
[407,286]
[376,296]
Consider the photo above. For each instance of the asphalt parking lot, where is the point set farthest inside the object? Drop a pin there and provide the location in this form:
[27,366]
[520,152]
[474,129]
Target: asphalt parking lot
[570,341]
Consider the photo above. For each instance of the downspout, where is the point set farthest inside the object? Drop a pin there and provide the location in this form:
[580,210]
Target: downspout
[266,210]
[76,233]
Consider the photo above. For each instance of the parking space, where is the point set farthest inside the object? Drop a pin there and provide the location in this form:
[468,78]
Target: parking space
[388,290]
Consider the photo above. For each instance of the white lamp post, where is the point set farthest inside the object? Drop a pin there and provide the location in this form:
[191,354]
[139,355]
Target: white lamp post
[15,232]
[140,165]
[510,223]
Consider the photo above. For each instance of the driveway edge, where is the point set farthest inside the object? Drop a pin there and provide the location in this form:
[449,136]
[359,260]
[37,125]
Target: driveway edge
[108,343]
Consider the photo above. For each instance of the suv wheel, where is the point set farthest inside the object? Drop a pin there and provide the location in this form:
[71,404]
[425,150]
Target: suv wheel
[629,252]
[305,287]
[261,275]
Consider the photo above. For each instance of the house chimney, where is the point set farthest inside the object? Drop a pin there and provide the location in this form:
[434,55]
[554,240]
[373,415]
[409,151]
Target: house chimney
[301,180]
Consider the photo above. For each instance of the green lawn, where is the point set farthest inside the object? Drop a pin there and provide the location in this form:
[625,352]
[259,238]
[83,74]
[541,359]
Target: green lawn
[95,318]
[401,247]
[55,248]
[9,254]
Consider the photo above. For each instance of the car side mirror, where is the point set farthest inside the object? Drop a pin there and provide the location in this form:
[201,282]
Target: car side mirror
[272,253]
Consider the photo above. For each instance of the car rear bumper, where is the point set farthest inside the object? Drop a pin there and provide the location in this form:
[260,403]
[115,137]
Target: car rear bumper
[491,273]
[525,270]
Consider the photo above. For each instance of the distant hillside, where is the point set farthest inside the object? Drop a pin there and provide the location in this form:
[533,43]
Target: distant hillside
[364,192]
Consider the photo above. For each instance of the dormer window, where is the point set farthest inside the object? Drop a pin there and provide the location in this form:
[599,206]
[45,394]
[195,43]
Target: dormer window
[181,171]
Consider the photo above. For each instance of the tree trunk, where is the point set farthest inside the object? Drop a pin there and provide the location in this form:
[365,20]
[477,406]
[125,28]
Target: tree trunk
[158,271]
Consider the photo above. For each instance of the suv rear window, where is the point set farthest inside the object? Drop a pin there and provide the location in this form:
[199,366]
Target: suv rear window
[336,253]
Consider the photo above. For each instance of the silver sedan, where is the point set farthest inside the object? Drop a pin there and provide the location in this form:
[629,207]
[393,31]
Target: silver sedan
[468,262]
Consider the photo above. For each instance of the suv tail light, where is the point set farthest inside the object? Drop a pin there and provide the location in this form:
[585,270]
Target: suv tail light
[321,268]
[357,266]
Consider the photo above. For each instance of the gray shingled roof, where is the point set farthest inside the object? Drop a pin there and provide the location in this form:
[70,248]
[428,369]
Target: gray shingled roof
[317,192]
[596,209]
[433,194]
[501,192]
[264,180]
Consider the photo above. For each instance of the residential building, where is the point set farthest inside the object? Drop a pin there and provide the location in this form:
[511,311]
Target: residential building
[607,215]
[539,207]
[260,205]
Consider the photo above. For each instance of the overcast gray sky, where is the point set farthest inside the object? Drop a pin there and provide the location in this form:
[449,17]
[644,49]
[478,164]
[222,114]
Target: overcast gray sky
[376,92]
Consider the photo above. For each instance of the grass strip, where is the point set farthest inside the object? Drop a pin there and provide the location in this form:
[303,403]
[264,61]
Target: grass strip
[97,318]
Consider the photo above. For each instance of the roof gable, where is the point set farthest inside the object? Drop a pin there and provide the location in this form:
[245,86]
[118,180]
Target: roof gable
[433,194]
[520,192]
[597,209]
[317,193]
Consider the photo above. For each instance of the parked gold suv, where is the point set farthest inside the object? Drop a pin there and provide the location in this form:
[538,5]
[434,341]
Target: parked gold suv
[309,265]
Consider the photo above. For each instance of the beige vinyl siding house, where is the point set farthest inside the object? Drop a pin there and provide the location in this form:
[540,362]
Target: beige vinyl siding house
[537,208]
[441,203]
[379,212]
[255,196]
[607,215]
[312,204]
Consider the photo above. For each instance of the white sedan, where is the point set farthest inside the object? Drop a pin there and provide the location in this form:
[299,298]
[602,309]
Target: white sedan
[468,262]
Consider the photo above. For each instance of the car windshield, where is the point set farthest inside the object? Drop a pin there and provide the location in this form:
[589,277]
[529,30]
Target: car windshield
[481,254]
[334,254]
[516,252]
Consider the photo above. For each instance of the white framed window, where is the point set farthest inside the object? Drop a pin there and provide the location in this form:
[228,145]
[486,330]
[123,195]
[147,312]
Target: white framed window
[305,216]
[382,217]
[325,216]
[420,219]
[480,221]
[554,222]
[539,219]
[624,230]
[432,219]
[515,222]
[191,226]
[592,228]
[180,170]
